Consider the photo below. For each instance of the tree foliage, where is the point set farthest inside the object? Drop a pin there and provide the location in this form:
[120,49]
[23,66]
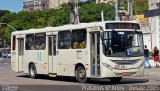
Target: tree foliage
[23,20]
[141,7]
[91,12]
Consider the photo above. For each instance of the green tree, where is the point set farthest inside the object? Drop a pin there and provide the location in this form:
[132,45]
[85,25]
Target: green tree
[90,12]
[141,8]
[3,12]
[8,17]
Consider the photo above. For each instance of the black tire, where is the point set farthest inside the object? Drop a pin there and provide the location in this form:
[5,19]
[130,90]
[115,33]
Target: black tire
[115,79]
[81,74]
[32,71]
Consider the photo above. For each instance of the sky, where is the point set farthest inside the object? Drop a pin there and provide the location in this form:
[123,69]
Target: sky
[13,5]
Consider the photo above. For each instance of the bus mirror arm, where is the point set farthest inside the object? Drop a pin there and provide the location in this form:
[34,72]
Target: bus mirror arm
[101,28]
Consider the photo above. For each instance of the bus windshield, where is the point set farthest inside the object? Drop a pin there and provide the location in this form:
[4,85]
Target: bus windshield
[122,43]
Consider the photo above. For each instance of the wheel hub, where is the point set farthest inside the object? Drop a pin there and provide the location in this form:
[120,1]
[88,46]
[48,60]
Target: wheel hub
[82,74]
[32,71]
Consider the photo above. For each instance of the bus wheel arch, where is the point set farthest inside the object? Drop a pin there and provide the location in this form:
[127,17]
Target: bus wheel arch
[32,70]
[80,73]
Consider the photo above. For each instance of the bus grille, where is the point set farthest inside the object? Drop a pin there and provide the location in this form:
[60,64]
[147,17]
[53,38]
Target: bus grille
[125,62]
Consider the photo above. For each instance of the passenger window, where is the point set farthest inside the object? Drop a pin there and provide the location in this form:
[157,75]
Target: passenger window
[64,39]
[40,41]
[14,43]
[29,42]
[79,38]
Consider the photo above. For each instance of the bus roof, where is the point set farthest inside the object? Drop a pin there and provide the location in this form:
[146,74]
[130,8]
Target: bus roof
[68,27]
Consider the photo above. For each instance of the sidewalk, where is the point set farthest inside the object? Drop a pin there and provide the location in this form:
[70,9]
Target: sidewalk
[153,72]
[151,63]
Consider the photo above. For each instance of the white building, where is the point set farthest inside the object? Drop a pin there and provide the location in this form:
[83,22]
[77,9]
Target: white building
[144,22]
[103,1]
[154,19]
[55,3]
[31,5]
[106,1]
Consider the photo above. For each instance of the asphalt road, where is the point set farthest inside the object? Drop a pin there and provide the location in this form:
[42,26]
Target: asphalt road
[11,81]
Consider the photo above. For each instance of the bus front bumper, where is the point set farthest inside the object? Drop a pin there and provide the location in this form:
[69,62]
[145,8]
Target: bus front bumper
[121,72]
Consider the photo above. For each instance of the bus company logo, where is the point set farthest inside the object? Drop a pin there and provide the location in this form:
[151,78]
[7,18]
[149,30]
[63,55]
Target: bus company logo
[39,56]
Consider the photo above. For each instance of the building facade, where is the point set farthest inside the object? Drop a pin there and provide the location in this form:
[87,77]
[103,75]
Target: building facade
[28,6]
[52,4]
[31,5]
[154,24]
[102,1]
[144,22]
[106,1]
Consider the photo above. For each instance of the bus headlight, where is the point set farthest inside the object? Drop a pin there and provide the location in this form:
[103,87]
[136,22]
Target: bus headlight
[107,66]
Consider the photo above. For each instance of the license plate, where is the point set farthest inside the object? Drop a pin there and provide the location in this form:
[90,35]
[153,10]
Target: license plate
[120,66]
[126,73]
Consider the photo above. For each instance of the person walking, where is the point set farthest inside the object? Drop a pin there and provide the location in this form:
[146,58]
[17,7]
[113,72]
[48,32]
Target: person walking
[156,56]
[146,55]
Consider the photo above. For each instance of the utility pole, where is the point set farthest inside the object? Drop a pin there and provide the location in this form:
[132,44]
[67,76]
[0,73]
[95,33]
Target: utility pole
[74,14]
[130,9]
[116,10]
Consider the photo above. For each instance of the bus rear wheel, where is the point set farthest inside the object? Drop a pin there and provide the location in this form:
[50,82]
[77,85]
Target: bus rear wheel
[81,74]
[32,71]
[115,79]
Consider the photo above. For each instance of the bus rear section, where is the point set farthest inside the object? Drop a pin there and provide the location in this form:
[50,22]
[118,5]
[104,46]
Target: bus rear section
[17,52]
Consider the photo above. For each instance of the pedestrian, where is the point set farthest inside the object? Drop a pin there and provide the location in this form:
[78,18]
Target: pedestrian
[156,56]
[146,55]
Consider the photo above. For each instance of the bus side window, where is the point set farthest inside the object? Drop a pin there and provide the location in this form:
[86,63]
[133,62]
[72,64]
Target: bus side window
[40,41]
[29,42]
[79,39]
[64,39]
[75,45]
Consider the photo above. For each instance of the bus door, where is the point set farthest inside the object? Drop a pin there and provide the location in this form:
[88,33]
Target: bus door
[20,53]
[52,53]
[95,53]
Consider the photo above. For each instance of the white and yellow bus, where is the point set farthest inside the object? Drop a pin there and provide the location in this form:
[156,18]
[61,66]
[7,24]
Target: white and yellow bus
[110,49]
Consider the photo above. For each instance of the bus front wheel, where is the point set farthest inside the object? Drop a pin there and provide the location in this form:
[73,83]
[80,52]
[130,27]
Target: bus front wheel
[32,71]
[115,79]
[81,74]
